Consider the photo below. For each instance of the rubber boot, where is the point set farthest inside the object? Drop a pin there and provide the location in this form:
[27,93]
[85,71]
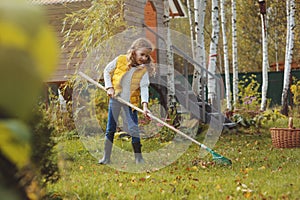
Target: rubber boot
[138,153]
[107,152]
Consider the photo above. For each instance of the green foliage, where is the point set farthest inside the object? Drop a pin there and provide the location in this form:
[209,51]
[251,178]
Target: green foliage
[248,36]
[295,89]
[28,55]
[99,22]
[61,119]
[173,119]
[101,102]
[249,95]
[248,112]
[44,156]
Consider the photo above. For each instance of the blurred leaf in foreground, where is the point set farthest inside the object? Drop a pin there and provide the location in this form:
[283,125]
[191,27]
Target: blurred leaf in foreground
[28,55]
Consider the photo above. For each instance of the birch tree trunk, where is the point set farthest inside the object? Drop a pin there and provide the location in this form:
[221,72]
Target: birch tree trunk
[170,61]
[226,60]
[191,27]
[235,78]
[199,77]
[290,7]
[265,64]
[212,89]
[196,74]
[276,40]
[201,48]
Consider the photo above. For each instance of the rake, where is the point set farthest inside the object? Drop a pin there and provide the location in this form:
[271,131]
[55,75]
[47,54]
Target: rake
[219,159]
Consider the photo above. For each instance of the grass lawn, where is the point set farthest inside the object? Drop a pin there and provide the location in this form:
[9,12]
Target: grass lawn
[259,171]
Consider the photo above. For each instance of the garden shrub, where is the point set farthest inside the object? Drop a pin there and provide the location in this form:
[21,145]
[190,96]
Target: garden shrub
[248,113]
[43,144]
[295,89]
[61,119]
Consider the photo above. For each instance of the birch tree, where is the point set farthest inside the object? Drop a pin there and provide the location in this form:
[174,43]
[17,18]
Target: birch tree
[196,74]
[212,95]
[265,62]
[200,49]
[191,26]
[199,78]
[170,61]
[235,78]
[290,9]
[226,60]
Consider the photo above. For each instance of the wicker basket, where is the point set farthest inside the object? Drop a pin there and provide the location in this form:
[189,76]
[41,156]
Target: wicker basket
[286,137]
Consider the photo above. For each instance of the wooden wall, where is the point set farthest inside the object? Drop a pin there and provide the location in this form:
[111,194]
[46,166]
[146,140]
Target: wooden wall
[133,14]
[56,14]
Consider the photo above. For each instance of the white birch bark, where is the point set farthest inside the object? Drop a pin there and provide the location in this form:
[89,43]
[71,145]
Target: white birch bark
[212,93]
[196,74]
[265,63]
[201,48]
[170,61]
[235,78]
[226,59]
[276,40]
[191,27]
[276,50]
[199,77]
[290,6]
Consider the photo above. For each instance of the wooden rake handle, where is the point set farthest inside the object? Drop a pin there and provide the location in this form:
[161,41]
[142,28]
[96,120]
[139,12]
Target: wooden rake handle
[83,75]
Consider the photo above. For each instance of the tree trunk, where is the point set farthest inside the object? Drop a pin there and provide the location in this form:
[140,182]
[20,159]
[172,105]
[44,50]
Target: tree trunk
[191,27]
[226,60]
[199,77]
[265,64]
[212,89]
[234,55]
[201,48]
[170,61]
[290,6]
[196,74]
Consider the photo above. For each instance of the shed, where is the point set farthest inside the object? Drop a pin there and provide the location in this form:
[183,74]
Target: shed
[137,13]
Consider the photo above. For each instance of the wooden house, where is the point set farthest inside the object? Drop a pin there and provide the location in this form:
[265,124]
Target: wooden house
[137,13]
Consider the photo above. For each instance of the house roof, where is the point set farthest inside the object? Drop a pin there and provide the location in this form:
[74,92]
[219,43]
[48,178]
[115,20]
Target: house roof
[45,2]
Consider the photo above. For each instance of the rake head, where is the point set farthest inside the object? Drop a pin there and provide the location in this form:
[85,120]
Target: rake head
[219,159]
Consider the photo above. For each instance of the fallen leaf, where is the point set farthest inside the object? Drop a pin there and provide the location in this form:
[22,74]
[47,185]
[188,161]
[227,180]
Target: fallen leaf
[194,168]
[247,194]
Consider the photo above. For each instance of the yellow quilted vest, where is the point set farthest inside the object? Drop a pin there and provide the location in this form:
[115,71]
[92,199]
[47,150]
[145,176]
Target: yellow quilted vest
[118,74]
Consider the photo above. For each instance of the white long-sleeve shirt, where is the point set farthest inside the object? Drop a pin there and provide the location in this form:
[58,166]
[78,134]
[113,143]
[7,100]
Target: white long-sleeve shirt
[126,82]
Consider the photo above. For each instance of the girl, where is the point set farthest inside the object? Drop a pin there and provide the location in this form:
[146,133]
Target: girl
[127,76]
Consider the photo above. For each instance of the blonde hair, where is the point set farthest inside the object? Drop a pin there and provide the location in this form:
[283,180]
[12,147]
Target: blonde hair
[137,44]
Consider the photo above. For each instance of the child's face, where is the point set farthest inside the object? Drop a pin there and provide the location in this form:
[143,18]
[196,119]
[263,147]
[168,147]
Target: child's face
[142,55]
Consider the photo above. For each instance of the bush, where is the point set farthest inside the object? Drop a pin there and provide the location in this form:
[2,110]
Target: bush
[295,89]
[44,156]
[248,113]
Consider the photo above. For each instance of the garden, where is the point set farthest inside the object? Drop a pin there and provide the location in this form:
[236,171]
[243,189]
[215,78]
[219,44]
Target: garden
[46,154]
[259,170]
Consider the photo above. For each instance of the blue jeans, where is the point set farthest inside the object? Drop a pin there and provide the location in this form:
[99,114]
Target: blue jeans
[131,119]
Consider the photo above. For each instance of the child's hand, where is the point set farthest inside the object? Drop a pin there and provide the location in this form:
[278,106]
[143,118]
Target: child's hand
[146,114]
[110,92]
[146,111]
